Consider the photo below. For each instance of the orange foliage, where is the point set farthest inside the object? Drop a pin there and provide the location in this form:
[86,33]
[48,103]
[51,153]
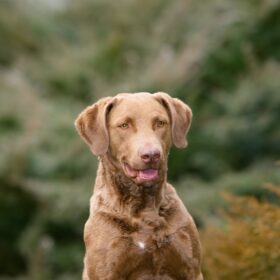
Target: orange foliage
[249,247]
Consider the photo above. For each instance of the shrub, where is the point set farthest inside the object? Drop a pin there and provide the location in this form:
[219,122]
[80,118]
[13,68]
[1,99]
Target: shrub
[248,248]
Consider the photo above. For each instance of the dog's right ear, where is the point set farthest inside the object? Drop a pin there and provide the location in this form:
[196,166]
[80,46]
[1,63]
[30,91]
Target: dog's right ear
[91,124]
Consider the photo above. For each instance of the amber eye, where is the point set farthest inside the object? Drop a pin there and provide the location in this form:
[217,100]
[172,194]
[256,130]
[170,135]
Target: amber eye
[160,123]
[124,125]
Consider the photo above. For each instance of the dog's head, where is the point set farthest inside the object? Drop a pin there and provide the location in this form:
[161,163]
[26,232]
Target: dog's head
[136,131]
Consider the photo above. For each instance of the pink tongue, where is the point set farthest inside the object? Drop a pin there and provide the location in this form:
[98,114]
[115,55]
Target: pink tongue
[148,174]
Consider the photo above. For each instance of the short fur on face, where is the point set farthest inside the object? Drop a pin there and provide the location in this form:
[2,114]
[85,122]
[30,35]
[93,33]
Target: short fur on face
[125,124]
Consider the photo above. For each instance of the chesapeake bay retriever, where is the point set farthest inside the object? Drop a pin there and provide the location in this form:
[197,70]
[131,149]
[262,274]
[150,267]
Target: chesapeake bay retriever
[138,228]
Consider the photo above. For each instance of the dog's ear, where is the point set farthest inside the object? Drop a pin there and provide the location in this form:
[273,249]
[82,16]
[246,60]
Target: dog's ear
[92,125]
[180,115]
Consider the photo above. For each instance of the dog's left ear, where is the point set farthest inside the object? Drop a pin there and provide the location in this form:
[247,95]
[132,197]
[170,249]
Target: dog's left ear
[92,125]
[180,115]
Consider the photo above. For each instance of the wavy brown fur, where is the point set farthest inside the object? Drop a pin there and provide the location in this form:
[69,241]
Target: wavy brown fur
[137,230]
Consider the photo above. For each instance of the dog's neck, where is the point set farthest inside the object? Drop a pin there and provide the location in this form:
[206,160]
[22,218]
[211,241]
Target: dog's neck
[130,197]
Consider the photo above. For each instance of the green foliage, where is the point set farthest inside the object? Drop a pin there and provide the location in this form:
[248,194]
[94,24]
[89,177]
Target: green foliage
[203,198]
[9,123]
[266,36]
[17,207]
[75,85]
[229,57]
[16,38]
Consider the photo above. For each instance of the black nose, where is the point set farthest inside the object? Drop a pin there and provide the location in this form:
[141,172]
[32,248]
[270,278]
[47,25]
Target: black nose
[150,154]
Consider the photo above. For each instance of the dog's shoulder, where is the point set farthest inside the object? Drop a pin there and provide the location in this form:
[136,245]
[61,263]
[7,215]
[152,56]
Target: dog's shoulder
[172,205]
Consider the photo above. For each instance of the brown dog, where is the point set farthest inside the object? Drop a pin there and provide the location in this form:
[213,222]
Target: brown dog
[138,228]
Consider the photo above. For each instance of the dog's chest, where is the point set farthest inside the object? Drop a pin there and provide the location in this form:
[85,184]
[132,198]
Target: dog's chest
[147,246]
[156,251]
[149,239]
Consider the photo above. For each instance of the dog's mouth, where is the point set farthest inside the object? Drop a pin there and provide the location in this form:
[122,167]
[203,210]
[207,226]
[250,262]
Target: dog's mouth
[141,175]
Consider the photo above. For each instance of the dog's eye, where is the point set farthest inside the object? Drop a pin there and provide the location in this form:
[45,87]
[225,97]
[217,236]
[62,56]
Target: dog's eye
[124,125]
[160,123]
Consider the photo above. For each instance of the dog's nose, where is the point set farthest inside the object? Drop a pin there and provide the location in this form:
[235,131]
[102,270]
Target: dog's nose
[150,154]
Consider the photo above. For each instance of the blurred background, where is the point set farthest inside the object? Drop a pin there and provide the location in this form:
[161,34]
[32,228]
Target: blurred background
[221,57]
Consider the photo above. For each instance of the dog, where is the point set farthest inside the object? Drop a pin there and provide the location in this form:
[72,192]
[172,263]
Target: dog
[138,228]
